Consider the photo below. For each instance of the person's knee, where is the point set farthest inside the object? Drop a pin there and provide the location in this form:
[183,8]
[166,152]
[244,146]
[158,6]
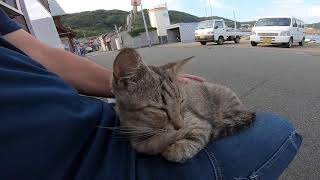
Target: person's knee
[264,150]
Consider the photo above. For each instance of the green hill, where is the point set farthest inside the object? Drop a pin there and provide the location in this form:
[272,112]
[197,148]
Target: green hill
[93,23]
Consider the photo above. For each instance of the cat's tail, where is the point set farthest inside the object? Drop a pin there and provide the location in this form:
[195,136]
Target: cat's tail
[233,122]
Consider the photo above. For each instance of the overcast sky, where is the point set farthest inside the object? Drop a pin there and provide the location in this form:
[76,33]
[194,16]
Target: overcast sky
[308,10]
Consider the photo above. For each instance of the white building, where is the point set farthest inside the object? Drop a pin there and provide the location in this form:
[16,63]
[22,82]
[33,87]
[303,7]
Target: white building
[159,18]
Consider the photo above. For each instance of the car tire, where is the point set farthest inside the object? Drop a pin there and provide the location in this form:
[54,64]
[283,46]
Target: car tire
[237,40]
[302,42]
[289,44]
[253,43]
[203,43]
[220,40]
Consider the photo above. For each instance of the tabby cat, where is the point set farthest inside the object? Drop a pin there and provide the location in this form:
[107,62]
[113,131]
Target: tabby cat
[162,116]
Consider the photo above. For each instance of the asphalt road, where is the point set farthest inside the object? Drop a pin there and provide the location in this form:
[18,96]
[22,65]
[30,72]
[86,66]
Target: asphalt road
[283,81]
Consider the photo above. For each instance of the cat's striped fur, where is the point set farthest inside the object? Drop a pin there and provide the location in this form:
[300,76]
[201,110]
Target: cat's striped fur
[165,117]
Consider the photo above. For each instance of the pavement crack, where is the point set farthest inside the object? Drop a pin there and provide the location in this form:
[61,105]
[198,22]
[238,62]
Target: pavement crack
[260,84]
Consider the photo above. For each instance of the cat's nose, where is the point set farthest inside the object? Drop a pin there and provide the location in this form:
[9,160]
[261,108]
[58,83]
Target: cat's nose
[177,127]
[178,124]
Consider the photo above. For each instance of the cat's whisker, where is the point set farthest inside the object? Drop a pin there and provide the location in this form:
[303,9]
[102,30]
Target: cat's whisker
[135,136]
[133,129]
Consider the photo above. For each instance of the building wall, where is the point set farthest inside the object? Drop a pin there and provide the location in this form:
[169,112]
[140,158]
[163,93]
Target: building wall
[139,41]
[187,32]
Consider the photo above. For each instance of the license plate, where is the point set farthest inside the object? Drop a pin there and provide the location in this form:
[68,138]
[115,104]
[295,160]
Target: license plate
[202,36]
[267,40]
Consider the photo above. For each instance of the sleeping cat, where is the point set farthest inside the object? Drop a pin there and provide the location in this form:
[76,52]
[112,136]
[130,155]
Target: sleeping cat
[162,116]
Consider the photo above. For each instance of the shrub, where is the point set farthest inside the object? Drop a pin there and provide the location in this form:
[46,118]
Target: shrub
[138,31]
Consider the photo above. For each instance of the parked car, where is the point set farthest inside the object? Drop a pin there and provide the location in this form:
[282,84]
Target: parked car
[89,49]
[215,31]
[278,30]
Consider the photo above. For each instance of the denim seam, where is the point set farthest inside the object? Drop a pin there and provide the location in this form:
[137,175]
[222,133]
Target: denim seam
[276,155]
[292,141]
[212,163]
[219,172]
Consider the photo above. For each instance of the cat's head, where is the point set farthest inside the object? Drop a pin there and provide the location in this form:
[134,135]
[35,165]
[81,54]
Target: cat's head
[149,95]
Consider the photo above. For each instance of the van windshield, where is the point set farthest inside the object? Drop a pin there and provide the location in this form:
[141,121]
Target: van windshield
[205,24]
[274,22]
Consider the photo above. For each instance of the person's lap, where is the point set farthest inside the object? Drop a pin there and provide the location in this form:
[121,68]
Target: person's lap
[261,152]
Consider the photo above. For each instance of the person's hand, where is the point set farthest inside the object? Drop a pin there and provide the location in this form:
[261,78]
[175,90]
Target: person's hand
[186,78]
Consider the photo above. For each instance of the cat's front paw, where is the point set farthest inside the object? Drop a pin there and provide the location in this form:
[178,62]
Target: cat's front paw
[178,152]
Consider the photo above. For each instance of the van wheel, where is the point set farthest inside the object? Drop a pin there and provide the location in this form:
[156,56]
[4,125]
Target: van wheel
[237,40]
[253,43]
[220,40]
[302,42]
[289,44]
[203,43]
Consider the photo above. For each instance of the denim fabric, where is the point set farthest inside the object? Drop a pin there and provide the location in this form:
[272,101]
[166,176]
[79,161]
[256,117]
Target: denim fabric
[261,152]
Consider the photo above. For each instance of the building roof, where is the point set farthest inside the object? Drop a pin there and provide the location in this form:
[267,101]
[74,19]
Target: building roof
[173,26]
[55,8]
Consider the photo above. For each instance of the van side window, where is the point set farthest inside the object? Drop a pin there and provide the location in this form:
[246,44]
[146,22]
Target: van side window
[299,24]
[294,23]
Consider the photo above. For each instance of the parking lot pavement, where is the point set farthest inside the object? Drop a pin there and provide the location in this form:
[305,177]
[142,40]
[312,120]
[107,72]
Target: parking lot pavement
[284,81]
[308,48]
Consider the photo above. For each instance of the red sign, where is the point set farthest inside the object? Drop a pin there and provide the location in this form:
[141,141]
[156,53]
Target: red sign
[135,2]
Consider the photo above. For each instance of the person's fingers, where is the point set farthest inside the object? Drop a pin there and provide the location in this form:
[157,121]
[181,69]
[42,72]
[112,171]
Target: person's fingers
[183,80]
[192,77]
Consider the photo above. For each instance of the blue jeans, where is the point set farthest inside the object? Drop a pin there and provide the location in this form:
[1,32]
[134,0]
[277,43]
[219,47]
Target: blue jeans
[261,152]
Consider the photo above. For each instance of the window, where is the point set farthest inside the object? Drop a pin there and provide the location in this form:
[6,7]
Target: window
[205,24]
[218,24]
[12,3]
[12,7]
[294,24]
[274,22]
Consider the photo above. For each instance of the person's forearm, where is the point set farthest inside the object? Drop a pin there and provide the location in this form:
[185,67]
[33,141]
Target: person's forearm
[86,76]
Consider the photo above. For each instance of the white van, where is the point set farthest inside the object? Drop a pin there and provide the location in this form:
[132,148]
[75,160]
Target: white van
[278,30]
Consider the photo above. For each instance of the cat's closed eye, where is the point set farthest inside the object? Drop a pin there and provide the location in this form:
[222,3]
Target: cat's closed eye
[158,115]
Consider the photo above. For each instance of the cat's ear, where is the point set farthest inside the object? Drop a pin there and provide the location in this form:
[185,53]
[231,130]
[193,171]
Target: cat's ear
[176,67]
[127,63]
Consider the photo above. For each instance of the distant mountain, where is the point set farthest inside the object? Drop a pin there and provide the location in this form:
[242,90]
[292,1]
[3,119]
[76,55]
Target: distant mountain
[93,23]
[314,25]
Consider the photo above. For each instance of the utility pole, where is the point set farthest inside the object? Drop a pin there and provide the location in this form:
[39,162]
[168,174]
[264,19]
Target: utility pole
[235,21]
[145,26]
[205,9]
[211,8]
